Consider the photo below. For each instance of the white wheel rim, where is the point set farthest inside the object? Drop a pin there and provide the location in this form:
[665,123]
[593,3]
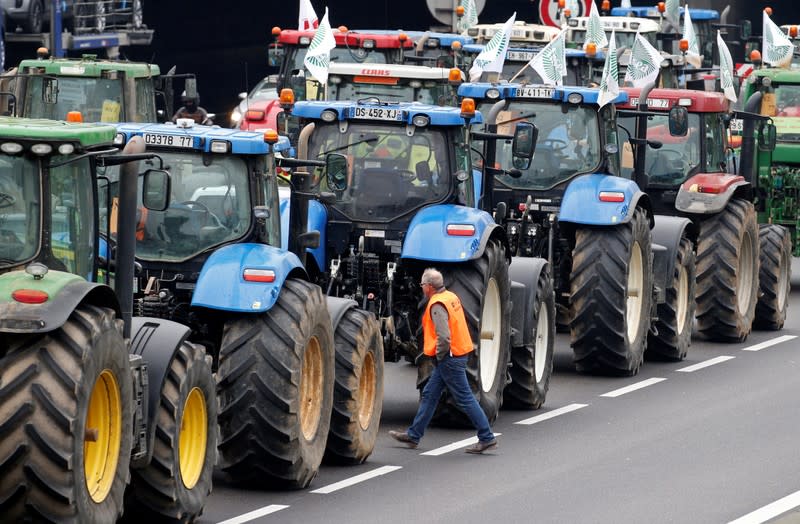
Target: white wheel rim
[683,298]
[634,299]
[490,336]
[744,278]
[540,346]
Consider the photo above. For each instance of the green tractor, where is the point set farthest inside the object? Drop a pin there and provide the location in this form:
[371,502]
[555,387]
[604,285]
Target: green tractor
[101,90]
[99,412]
[776,174]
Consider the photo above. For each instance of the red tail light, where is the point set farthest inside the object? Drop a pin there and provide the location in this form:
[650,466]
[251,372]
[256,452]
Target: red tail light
[612,196]
[460,230]
[259,275]
[30,296]
[255,115]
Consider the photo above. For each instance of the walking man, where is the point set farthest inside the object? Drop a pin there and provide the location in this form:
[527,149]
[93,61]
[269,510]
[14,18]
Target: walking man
[446,338]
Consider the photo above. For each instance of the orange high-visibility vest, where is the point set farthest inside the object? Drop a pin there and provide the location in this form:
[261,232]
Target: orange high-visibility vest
[460,341]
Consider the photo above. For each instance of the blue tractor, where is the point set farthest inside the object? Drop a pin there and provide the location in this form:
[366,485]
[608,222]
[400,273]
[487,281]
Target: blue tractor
[615,264]
[299,376]
[403,197]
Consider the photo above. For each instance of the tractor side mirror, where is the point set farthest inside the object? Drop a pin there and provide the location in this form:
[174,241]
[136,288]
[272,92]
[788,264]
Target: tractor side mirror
[767,136]
[524,144]
[156,189]
[275,55]
[49,90]
[746,30]
[678,121]
[336,171]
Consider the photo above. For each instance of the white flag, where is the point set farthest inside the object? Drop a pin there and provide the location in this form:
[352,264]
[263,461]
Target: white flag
[494,53]
[594,30]
[470,18]
[693,54]
[308,18]
[609,85]
[777,48]
[318,57]
[672,12]
[725,69]
[645,63]
[551,61]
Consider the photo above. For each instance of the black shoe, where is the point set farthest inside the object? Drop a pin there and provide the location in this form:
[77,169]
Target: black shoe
[402,436]
[479,447]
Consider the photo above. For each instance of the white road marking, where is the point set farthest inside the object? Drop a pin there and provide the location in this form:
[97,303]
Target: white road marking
[633,387]
[260,512]
[454,446]
[769,343]
[705,364]
[551,414]
[770,511]
[330,488]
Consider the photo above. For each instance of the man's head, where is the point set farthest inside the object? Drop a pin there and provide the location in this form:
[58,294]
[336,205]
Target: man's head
[431,282]
[190,102]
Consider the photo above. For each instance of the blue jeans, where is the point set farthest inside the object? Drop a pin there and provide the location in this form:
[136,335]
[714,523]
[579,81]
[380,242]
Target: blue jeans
[452,374]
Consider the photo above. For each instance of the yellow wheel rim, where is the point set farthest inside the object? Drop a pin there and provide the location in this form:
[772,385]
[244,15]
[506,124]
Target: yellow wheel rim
[193,438]
[310,389]
[366,392]
[102,436]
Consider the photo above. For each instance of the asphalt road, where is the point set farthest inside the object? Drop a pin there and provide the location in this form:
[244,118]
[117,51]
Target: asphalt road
[712,439]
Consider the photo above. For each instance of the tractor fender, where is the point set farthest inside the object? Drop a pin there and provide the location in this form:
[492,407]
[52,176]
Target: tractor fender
[427,237]
[709,193]
[667,234]
[156,341]
[524,274]
[222,286]
[317,220]
[337,307]
[66,292]
[581,203]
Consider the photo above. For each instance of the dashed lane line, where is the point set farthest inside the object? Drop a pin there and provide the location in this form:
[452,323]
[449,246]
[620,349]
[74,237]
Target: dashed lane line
[260,512]
[768,343]
[770,511]
[551,414]
[705,363]
[633,387]
[454,446]
[330,488]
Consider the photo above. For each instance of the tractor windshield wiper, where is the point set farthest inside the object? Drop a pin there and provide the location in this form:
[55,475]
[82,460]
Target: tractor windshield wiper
[366,140]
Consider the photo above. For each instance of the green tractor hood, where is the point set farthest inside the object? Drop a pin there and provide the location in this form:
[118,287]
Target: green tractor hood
[787,149]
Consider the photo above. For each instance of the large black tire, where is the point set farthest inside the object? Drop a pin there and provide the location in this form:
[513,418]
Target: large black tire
[66,403]
[484,288]
[34,23]
[532,365]
[275,386]
[676,314]
[177,482]
[774,277]
[358,394]
[611,296]
[727,273]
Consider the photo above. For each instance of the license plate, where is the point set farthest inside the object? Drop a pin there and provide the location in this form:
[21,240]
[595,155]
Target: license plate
[155,139]
[519,56]
[737,124]
[377,113]
[534,92]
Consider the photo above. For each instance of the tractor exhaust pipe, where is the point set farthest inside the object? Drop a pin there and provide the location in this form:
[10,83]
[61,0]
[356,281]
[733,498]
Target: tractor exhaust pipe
[126,232]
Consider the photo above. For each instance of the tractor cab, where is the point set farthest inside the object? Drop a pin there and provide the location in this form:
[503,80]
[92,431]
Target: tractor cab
[430,48]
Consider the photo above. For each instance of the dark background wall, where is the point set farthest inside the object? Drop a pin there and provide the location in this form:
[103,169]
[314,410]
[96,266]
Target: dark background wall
[225,42]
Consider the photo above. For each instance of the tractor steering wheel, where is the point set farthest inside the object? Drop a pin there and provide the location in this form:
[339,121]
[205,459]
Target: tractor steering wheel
[555,144]
[7,200]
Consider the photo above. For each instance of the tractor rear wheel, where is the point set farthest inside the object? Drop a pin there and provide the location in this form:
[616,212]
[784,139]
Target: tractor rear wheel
[65,417]
[676,314]
[484,288]
[532,366]
[177,481]
[358,394]
[275,385]
[774,277]
[611,296]
[727,273]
